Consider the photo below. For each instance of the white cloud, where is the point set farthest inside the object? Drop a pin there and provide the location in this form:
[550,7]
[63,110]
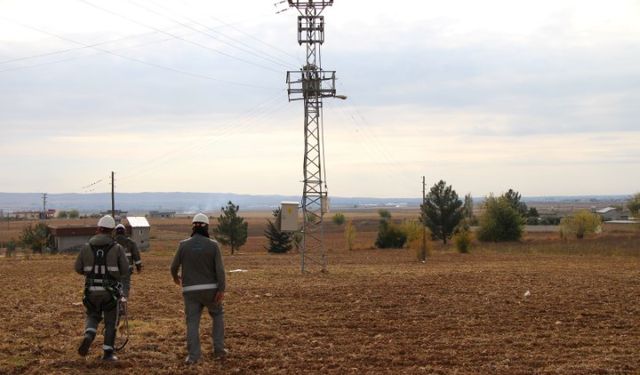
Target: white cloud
[538,96]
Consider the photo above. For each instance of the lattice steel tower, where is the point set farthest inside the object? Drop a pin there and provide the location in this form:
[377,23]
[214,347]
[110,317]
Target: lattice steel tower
[311,84]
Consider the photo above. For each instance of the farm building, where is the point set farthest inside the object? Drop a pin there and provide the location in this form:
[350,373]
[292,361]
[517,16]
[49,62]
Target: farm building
[162,214]
[70,237]
[138,229]
[27,215]
[611,213]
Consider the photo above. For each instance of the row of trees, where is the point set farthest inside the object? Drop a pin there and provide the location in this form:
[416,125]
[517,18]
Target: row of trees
[71,214]
[633,204]
[232,231]
[446,216]
[502,217]
[36,237]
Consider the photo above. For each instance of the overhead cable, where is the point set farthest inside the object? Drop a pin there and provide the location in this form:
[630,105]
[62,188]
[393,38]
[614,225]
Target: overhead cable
[197,75]
[268,58]
[179,37]
[231,128]
[297,58]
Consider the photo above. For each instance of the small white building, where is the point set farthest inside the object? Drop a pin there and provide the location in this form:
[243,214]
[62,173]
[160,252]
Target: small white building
[139,230]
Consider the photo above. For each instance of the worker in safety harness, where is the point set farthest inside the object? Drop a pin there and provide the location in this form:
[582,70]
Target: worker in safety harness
[104,263]
[133,258]
[203,284]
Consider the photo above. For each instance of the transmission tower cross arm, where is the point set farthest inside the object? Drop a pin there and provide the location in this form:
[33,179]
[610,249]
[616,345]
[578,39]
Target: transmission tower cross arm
[311,83]
[302,4]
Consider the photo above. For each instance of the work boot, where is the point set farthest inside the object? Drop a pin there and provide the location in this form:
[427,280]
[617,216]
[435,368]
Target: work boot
[109,356]
[220,355]
[83,350]
[189,361]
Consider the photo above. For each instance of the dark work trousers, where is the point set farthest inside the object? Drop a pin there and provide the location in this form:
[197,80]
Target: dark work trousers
[126,283]
[194,302]
[95,316]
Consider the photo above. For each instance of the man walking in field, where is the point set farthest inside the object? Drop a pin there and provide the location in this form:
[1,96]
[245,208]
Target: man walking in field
[103,263]
[133,257]
[203,283]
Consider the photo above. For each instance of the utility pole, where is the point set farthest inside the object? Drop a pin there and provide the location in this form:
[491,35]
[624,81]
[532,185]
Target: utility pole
[311,84]
[113,197]
[424,225]
[44,206]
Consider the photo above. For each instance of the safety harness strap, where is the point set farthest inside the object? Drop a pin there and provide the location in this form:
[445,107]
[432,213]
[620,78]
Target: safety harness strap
[99,279]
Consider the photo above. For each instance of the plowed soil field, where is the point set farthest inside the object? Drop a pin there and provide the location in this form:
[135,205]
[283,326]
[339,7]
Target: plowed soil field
[539,306]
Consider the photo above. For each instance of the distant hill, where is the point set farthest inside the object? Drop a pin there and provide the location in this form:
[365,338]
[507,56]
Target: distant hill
[193,202]
[179,202]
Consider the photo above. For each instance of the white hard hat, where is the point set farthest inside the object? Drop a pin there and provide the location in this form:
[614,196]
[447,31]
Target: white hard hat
[200,218]
[107,222]
[120,226]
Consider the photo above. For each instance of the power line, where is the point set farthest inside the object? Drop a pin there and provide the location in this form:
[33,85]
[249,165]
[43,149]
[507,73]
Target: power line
[373,145]
[276,48]
[94,185]
[78,57]
[269,58]
[249,115]
[75,49]
[231,128]
[178,37]
[175,70]
[57,52]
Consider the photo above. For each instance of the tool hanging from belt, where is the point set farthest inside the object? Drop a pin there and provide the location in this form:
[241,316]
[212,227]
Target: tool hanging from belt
[123,306]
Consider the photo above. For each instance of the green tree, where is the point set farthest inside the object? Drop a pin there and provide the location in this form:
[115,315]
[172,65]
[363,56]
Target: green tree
[231,229]
[297,238]
[74,214]
[384,214]
[11,247]
[312,218]
[338,218]
[463,239]
[515,200]
[634,205]
[500,221]
[63,214]
[580,223]
[415,232]
[467,207]
[279,242]
[390,235]
[350,234]
[442,211]
[35,237]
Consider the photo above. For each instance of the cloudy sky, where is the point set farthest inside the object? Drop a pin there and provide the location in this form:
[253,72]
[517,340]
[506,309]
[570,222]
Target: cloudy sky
[189,95]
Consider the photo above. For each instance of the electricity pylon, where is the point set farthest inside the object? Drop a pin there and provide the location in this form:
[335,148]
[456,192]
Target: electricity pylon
[311,84]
